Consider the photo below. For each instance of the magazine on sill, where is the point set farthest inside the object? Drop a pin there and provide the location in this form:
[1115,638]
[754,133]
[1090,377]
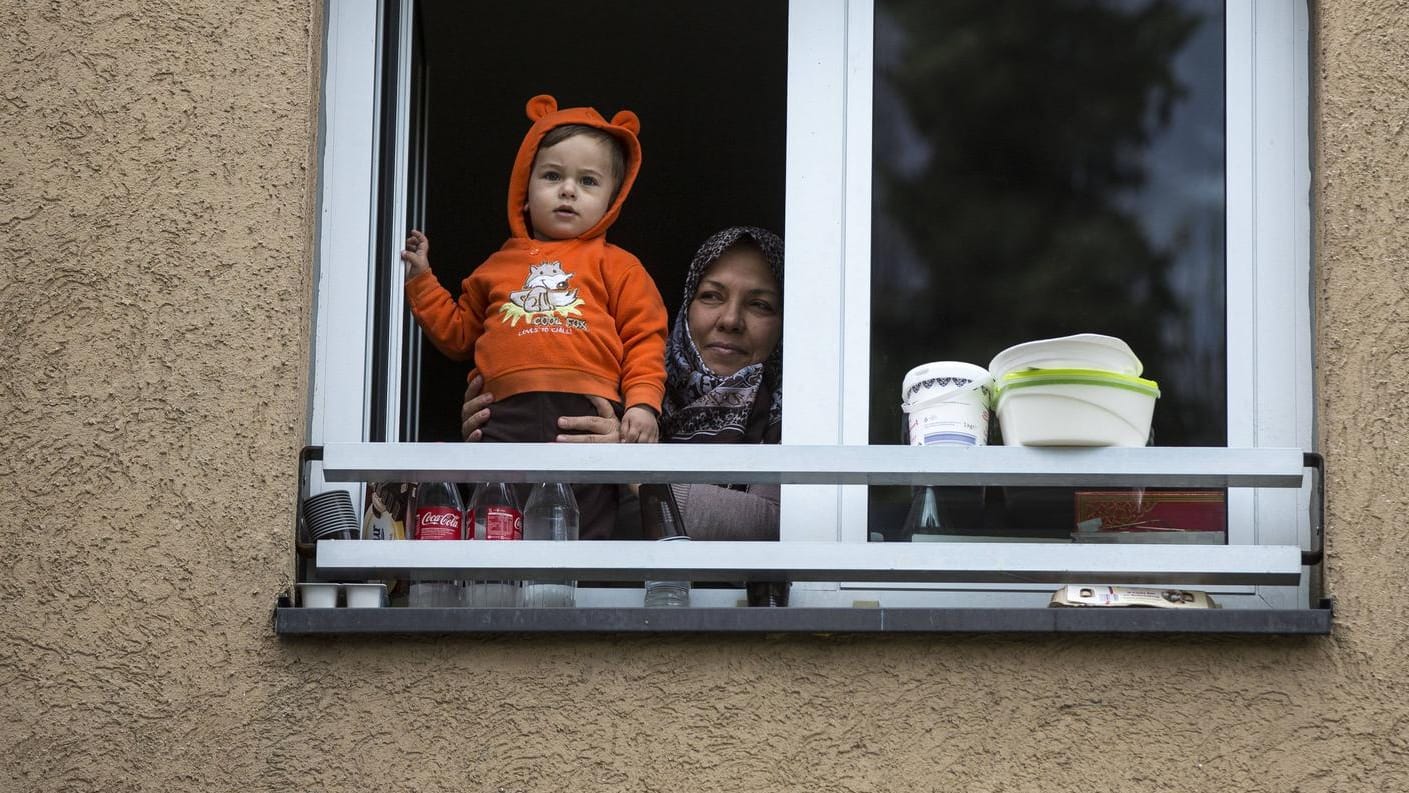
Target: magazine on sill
[1105,596]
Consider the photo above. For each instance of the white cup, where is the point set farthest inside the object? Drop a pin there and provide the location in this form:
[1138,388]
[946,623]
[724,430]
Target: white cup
[318,596]
[365,596]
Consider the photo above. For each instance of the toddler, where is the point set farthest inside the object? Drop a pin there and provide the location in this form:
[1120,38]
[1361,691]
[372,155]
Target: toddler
[557,314]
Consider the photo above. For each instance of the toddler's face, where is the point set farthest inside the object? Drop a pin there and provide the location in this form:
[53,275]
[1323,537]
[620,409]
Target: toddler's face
[570,187]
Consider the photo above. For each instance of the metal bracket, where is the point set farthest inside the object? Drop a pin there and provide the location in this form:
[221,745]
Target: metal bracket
[1317,554]
[303,551]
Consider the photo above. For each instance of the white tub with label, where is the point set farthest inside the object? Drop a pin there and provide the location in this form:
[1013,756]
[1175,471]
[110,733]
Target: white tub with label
[946,403]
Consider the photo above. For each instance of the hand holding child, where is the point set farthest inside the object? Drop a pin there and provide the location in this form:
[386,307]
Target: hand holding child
[638,425]
[604,427]
[417,254]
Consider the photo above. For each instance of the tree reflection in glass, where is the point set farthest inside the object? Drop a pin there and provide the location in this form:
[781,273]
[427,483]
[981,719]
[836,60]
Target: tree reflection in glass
[1042,169]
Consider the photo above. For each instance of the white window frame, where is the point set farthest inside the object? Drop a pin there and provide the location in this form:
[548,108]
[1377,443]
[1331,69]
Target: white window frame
[827,226]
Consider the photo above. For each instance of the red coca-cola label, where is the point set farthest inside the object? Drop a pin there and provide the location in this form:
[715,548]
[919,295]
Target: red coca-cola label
[500,523]
[438,523]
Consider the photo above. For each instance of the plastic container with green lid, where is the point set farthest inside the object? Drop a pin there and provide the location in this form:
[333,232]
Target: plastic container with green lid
[1075,407]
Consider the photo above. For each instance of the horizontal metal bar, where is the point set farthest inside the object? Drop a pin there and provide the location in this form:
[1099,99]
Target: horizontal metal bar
[1029,563]
[847,465]
[322,622]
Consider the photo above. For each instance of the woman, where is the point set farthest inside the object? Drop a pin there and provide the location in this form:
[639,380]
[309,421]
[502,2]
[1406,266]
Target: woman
[724,366]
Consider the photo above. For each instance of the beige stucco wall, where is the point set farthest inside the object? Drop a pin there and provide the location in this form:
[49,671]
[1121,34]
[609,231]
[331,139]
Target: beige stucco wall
[156,184]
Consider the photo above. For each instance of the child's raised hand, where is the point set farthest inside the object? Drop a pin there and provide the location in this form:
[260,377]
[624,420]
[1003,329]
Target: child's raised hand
[638,425]
[417,254]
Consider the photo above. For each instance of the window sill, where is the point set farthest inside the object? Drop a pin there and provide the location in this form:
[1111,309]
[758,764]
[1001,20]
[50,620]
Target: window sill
[289,621]
[639,560]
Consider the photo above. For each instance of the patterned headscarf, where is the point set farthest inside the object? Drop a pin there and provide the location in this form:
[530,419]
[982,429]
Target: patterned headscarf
[701,406]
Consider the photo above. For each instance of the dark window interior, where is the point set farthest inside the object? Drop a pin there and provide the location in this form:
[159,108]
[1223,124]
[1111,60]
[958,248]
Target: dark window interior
[708,81]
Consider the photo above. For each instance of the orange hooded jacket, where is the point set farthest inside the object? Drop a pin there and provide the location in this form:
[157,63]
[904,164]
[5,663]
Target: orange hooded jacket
[576,315]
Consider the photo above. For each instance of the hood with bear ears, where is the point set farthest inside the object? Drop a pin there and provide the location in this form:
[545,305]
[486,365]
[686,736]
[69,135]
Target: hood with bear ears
[544,113]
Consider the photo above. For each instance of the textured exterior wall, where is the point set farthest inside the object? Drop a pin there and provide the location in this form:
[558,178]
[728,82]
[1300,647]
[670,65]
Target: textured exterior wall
[155,187]
[155,214]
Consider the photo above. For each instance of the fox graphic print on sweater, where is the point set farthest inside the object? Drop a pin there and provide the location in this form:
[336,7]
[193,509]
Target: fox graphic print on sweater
[574,315]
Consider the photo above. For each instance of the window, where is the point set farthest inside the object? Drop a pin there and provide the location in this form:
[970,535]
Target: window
[836,221]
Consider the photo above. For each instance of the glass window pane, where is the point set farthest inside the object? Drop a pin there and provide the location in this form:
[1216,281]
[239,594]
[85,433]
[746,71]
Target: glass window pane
[1043,169]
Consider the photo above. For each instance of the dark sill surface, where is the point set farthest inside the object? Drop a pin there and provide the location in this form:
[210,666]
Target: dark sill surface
[343,621]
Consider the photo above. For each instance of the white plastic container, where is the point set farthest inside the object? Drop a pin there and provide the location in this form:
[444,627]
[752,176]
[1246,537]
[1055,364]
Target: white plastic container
[947,403]
[1075,407]
[318,595]
[365,596]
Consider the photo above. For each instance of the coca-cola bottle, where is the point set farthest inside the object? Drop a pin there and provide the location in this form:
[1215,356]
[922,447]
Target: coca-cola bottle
[494,514]
[550,514]
[439,515]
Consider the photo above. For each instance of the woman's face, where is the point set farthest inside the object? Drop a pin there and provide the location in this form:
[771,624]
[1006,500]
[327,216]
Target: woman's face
[736,316]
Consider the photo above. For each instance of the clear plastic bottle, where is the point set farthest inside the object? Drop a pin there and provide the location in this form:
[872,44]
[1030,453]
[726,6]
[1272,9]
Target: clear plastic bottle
[661,521]
[439,515]
[493,514]
[923,517]
[550,514]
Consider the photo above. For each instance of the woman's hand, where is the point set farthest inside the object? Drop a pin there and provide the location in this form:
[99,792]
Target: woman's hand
[474,414]
[601,428]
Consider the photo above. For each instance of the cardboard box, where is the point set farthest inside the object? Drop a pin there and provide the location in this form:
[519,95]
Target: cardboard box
[1151,510]
[1104,596]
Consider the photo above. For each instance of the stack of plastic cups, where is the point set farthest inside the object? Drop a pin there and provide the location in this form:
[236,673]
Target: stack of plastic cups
[330,516]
